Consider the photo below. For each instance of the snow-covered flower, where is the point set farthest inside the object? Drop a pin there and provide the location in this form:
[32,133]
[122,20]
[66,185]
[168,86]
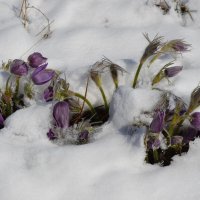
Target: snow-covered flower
[157,123]
[61,114]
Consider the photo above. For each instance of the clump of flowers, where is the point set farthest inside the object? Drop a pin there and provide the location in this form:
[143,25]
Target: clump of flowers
[23,76]
[63,130]
[157,48]
[169,133]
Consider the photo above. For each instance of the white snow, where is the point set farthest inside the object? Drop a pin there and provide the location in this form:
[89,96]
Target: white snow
[112,166]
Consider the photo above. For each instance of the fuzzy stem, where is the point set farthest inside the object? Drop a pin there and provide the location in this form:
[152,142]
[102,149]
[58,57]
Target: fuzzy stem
[137,74]
[86,101]
[104,98]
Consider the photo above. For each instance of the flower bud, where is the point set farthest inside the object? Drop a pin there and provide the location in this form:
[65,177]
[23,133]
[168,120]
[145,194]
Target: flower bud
[157,123]
[195,120]
[153,142]
[189,134]
[41,75]
[19,67]
[194,99]
[48,94]
[176,140]
[51,135]
[36,59]
[179,45]
[61,114]
[172,71]
[83,136]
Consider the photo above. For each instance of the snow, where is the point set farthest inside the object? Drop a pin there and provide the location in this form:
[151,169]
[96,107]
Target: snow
[112,166]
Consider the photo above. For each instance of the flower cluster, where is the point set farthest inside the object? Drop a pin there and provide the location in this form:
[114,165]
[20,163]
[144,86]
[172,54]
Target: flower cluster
[169,133]
[74,118]
[157,48]
[22,77]
[63,129]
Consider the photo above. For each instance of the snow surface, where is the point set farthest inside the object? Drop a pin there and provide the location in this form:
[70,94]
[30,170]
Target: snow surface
[112,166]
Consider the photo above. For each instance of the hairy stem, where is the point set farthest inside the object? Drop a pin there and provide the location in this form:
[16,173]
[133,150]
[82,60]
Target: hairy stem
[137,74]
[104,98]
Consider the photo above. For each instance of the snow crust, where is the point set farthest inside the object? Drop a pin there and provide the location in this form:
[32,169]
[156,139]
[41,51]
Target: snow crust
[112,166]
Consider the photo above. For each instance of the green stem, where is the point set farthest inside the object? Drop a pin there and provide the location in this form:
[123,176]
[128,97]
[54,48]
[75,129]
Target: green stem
[116,84]
[17,86]
[137,74]
[155,156]
[7,82]
[86,101]
[104,97]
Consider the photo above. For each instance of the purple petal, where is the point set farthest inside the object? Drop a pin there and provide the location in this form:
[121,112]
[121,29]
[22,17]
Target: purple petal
[36,59]
[173,71]
[189,134]
[83,136]
[153,143]
[157,123]
[61,114]
[48,94]
[41,75]
[195,120]
[19,67]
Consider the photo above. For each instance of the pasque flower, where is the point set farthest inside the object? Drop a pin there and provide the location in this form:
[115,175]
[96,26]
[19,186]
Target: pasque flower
[157,123]
[61,114]
[51,135]
[48,94]
[172,71]
[179,45]
[36,59]
[195,120]
[153,141]
[83,136]
[41,75]
[189,134]
[176,140]
[19,67]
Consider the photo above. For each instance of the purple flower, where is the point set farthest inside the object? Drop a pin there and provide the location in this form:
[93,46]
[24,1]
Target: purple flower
[61,114]
[51,135]
[195,120]
[153,143]
[172,71]
[176,140]
[36,59]
[19,67]
[48,94]
[1,121]
[41,75]
[180,45]
[157,123]
[83,136]
[189,134]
